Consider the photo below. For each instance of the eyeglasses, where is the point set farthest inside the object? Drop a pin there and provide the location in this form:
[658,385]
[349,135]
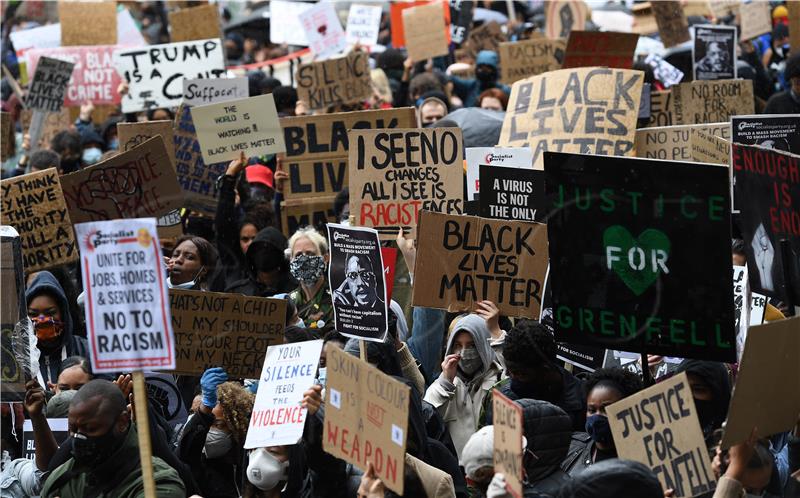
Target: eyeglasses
[363,274]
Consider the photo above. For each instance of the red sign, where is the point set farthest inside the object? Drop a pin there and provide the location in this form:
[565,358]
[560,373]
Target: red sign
[94,76]
[389,255]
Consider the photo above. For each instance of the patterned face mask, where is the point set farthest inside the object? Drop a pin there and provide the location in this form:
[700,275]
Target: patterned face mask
[307,269]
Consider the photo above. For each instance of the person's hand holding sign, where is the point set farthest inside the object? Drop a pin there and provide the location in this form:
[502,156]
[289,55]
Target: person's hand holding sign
[312,399]
[489,312]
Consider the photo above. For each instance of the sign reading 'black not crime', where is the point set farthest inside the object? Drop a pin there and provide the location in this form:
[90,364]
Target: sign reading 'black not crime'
[640,255]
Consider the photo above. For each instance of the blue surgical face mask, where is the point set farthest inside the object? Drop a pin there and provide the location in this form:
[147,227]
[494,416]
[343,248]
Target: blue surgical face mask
[91,155]
[322,376]
[599,430]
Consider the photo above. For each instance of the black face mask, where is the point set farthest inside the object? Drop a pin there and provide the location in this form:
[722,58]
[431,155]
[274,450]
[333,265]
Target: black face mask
[707,414]
[90,452]
[486,75]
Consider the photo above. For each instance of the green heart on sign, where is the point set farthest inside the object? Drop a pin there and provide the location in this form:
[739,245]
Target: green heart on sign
[636,261]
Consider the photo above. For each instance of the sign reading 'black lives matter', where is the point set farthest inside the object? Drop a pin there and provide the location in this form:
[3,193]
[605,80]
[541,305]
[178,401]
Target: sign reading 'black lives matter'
[652,241]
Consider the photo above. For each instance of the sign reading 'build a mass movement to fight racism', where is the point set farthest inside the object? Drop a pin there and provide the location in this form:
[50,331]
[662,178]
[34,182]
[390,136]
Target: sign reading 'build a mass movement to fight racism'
[213,329]
[358,286]
[669,441]
[34,205]
[395,174]
[127,321]
[366,417]
[767,191]
[585,110]
[465,259]
[635,226]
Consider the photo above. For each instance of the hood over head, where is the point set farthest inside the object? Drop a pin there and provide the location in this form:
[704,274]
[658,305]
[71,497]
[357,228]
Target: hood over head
[476,326]
[548,429]
[46,283]
[267,251]
[487,57]
[615,477]
[716,376]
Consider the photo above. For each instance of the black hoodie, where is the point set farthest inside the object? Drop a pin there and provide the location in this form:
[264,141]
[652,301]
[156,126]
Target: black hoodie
[714,412]
[617,478]
[548,430]
[67,344]
[266,253]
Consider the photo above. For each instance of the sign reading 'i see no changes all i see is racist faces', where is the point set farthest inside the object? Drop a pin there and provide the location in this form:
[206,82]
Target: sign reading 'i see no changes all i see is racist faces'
[655,273]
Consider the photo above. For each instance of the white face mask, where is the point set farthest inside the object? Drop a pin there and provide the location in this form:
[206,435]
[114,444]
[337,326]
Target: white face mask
[186,285]
[264,471]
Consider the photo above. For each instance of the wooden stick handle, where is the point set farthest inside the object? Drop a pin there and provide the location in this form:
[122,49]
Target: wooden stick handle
[143,431]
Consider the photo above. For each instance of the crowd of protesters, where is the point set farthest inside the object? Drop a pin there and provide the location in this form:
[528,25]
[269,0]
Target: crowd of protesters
[452,362]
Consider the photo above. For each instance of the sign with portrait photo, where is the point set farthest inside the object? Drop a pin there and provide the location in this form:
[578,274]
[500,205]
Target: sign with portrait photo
[714,52]
[357,282]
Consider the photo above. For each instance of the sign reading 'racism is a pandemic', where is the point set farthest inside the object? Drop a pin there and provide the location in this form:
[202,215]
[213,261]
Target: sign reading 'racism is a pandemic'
[586,110]
[635,226]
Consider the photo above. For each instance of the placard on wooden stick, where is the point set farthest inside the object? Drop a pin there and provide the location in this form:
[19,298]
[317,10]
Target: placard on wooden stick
[671,443]
[34,205]
[425,31]
[508,433]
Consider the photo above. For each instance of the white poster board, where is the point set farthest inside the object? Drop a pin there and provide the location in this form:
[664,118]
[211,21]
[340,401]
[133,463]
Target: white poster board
[363,24]
[155,76]
[323,30]
[211,91]
[284,22]
[128,322]
[509,157]
[277,418]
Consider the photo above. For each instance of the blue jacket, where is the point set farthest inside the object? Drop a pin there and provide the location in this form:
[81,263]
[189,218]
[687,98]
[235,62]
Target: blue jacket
[49,362]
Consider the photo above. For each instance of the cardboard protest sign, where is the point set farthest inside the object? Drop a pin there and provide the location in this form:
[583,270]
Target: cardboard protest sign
[600,48]
[135,183]
[356,278]
[394,174]
[773,131]
[170,225]
[58,426]
[674,142]
[708,148]
[639,259]
[49,85]
[366,417]
[563,16]
[714,52]
[229,129]
[512,194]
[131,135]
[323,30]
[34,205]
[54,122]
[487,36]
[88,23]
[461,14]
[586,110]
[93,77]
[508,433]
[7,137]
[768,373]
[425,31]
[755,19]
[155,76]
[315,212]
[15,328]
[284,22]
[588,358]
[341,80]
[767,192]
[214,329]
[317,148]
[525,58]
[465,259]
[673,28]
[670,443]
[794,24]
[277,418]
[127,322]
[644,22]
[663,71]
[725,9]
[195,23]
[396,20]
[197,179]
[509,157]
[212,91]
[711,101]
[363,25]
